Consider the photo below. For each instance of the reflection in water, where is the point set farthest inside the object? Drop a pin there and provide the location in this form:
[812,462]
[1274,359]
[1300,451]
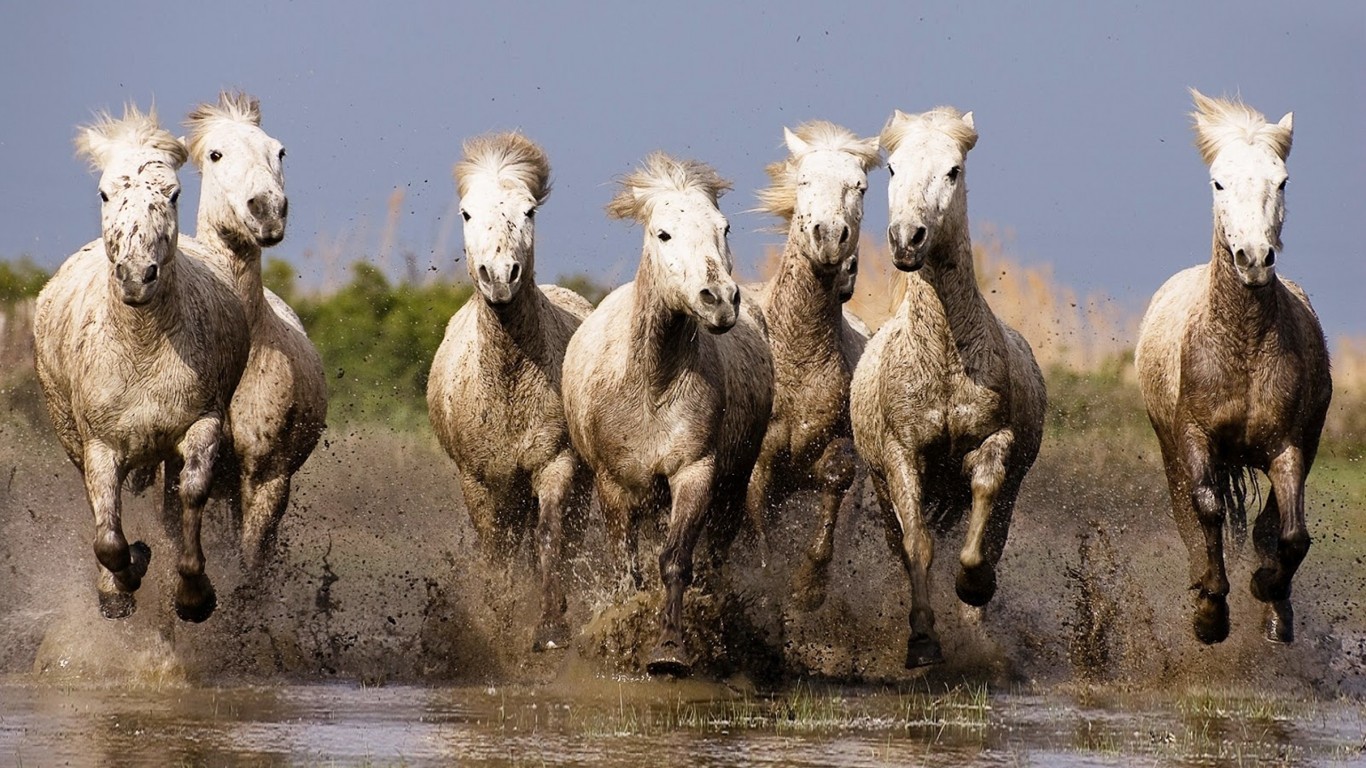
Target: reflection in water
[648,723]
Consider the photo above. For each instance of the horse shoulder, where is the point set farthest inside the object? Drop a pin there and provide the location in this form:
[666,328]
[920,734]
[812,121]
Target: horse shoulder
[1162,336]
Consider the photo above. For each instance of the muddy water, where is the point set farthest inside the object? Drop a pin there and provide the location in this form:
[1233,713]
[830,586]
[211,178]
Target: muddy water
[629,723]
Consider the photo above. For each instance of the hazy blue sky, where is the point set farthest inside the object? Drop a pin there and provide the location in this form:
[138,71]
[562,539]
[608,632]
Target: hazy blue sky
[1085,152]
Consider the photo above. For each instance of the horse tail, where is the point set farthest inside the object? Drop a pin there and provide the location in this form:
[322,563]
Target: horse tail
[1234,487]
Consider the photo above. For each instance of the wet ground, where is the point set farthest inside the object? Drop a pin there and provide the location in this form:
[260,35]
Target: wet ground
[379,637]
[631,723]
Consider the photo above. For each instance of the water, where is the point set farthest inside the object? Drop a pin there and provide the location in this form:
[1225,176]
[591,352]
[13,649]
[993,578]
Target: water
[629,722]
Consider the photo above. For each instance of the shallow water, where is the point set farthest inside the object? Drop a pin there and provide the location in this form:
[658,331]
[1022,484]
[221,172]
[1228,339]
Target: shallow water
[629,722]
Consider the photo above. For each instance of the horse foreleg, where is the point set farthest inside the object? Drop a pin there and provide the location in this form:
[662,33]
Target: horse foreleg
[554,487]
[691,489]
[759,492]
[194,598]
[121,566]
[617,513]
[986,466]
[905,488]
[1211,610]
[1283,544]
[835,470]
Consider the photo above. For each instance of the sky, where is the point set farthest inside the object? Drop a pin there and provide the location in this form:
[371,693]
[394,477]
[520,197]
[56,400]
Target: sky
[1085,159]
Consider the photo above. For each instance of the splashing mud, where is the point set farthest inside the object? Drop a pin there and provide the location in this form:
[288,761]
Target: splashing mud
[378,580]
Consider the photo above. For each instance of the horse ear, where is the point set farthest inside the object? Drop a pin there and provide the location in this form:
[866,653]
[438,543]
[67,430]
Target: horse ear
[967,118]
[1288,122]
[899,115]
[93,144]
[795,144]
[872,148]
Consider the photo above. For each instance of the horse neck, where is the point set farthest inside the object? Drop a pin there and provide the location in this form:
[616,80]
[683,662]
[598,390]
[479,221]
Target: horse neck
[663,342]
[144,328]
[803,309]
[948,270]
[244,265]
[513,330]
[1235,310]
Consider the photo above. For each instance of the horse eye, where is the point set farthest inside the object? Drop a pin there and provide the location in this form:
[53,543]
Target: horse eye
[531,213]
[465,214]
[175,196]
[215,156]
[664,237]
[1281,188]
[103,197]
[1219,186]
[727,229]
[953,173]
[890,170]
[282,153]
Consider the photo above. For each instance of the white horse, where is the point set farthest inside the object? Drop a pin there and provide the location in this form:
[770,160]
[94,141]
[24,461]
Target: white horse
[818,190]
[668,385]
[1234,371]
[138,348]
[280,408]
[494,391]
[947,402]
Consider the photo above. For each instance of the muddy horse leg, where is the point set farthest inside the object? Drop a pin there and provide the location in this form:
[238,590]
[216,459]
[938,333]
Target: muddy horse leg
[906,491]
[1282,541]
[986,467]
[691,489]
[194,597]
[265,497]
[1211,608]
[758,494]
[619,515]
[835,472]
[121,566]
[554,487]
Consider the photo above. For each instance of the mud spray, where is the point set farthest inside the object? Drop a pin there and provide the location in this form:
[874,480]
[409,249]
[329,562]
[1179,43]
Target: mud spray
[378,579]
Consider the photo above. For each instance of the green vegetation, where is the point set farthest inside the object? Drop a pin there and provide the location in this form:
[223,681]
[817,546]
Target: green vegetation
[20,279]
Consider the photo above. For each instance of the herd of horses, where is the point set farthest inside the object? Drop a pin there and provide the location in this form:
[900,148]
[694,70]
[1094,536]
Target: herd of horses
[681,394]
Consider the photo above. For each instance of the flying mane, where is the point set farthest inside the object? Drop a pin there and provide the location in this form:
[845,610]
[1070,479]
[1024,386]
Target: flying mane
[137,129]
[780,198]
[1219,122]
[663,173]
[946,119]
[232,106]
[504,157]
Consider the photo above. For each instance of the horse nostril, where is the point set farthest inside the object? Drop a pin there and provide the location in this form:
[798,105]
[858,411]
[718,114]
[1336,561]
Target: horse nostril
[816,231]
[1270,256]
[919,236]
[515,272]
[853,266]
[844,236]
[121,272]
[708,297]
[149,274]
[735,300]
[483,273]
[1240,257]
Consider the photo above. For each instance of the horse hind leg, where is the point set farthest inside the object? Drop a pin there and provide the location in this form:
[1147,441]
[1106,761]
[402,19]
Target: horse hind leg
[835,471]
[1282,540]
[264,502]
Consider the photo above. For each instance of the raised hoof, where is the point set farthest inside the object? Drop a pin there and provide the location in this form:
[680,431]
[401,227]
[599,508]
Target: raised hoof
[195,600]
[1280,622]
[1266,587]
[923,652]
[669,658]
[117,605]
[976,586]
[139,555]
[1211,619]
[552,636]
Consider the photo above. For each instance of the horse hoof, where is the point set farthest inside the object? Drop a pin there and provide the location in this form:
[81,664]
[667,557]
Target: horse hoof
[195,602]
[669,658]
[117,605]
[1266,587]
[1280,622]
[976,586]
[923,652]
[130,578]
[550,637]
[1211,619]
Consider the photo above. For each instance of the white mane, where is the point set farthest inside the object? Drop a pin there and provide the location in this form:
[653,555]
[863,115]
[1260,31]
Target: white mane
[232,106]
[1219,122]
[98,141]
[949,120]
[504,157]
[780,197]
[662,173]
